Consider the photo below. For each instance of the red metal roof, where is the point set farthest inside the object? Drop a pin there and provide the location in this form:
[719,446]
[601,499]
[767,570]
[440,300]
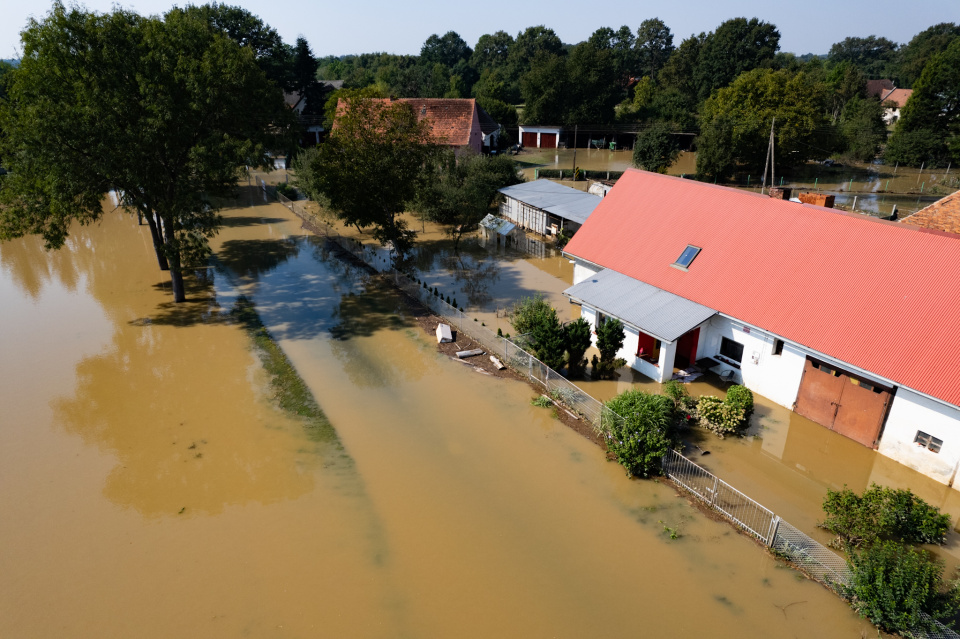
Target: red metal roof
[882,296]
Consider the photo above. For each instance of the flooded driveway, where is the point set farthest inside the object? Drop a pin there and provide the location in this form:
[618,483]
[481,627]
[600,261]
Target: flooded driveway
[150,488]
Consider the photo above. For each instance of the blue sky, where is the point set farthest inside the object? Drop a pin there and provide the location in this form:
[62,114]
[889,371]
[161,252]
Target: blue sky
[360,26]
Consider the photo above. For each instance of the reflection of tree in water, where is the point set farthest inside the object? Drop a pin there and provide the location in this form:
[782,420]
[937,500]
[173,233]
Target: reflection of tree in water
[251,258]
[32,267]
[362,314]
[475,280]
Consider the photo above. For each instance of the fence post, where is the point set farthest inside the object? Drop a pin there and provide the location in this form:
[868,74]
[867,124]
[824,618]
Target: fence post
[713,496]
[774,529]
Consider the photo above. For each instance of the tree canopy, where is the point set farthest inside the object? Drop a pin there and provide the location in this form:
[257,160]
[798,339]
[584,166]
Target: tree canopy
[167,111]
[929,127]
[735,122]
[370,167]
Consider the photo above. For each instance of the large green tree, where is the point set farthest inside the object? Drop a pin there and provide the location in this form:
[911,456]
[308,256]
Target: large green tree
[926,44]
[250,32]
[166,111]
[460,189]
[654,45]
[735,122]
[929,127]
[874,55]
[371,166]
[655,149]
[736,46]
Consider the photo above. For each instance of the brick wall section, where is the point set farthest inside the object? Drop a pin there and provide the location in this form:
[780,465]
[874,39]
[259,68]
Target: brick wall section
[817,199]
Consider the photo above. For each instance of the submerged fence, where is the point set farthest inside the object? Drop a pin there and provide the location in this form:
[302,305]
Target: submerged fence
[758,521]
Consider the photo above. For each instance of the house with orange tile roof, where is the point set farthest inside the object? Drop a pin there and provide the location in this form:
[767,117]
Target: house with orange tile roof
[892,98]
[784,298]
[943,215]
[453,122]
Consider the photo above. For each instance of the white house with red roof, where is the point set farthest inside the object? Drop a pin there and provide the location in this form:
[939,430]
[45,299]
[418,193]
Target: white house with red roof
[849,320]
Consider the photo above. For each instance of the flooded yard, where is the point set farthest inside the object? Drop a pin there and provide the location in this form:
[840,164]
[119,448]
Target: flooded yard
[150,487]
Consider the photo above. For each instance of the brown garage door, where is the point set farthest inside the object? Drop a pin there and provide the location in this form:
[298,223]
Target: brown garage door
[529,139]
[548,140]
[843,402]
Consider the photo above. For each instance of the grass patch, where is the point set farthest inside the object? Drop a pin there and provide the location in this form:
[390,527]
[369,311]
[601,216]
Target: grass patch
[289,390]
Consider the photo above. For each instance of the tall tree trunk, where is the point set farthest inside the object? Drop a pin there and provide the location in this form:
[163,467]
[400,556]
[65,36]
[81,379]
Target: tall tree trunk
[157,241]
[176,272]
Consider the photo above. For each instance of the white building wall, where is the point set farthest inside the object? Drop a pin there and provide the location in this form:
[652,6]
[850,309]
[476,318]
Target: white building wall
[582,270]
[776,377]
[911,412]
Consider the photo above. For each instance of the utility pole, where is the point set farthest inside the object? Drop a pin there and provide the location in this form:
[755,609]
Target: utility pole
[575,151]
[769,160]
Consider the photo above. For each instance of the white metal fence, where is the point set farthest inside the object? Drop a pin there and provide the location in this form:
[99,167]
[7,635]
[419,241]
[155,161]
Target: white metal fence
[752,517]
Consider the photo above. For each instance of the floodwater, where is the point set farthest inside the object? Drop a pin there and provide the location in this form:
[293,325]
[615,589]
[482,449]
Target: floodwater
[149,487]
[873,189]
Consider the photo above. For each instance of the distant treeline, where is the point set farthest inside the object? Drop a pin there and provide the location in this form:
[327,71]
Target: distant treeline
[726,86]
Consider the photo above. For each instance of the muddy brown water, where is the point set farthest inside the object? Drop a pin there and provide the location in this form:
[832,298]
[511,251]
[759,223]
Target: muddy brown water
[877,188]
[150,488]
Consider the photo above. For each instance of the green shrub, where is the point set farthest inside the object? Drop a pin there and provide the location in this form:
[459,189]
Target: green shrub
[549,340]
[644,434]
[610,336]
[529,312]
[541,401]
[893,584]
[882,514]
[499,332]
[717,415]
[454,304]
[741,397]
[287,191]
[578,341]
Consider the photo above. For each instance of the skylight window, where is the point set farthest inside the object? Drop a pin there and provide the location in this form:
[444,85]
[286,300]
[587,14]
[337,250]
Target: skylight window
[686,258]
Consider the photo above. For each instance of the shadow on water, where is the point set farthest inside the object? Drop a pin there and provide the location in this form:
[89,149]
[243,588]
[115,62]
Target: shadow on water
[252,258]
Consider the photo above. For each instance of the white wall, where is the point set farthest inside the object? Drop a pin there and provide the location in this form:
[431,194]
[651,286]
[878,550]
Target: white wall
[911,412]
[582,270]
[776,377]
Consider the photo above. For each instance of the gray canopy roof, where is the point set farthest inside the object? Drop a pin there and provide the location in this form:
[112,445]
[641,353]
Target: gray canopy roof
[652,310]
[556,199]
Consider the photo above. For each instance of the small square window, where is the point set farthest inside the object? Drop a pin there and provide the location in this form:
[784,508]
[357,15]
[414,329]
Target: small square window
[778,347]
[925,440]
[687,257]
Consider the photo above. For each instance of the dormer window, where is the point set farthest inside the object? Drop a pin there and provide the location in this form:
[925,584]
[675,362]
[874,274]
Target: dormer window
[686,258]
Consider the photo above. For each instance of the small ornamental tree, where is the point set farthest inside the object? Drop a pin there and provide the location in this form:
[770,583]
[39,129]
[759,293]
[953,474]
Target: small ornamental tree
[643,431]
[578,341]
[549,340]
[610,336]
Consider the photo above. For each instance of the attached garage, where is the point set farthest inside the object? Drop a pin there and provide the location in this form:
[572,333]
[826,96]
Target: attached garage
[844,402]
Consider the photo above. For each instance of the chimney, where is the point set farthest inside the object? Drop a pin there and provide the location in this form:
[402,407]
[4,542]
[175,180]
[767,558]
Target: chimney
[780,192]
[817,199]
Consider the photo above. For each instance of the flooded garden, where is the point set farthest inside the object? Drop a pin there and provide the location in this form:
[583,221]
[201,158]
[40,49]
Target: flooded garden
[152,486]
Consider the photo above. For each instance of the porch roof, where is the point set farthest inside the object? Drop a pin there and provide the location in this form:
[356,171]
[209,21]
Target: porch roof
[654,311]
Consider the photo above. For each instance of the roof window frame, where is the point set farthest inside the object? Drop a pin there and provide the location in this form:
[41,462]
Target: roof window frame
[686,267]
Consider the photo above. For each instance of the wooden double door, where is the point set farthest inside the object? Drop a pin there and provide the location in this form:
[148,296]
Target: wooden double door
[843,402]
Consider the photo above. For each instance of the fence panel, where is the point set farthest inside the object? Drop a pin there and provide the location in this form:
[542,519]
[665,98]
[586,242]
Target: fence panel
[821,562]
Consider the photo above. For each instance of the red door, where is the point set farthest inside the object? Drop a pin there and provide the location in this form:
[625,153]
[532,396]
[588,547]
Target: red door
[529,139]
[548,140]
[687,349]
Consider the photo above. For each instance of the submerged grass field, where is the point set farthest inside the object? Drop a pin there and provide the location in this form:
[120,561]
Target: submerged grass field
[289,390]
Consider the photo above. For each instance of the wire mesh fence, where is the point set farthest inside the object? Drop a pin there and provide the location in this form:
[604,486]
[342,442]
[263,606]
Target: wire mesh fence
[758,521]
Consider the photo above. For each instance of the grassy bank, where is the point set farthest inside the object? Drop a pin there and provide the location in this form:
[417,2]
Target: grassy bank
[289,390]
